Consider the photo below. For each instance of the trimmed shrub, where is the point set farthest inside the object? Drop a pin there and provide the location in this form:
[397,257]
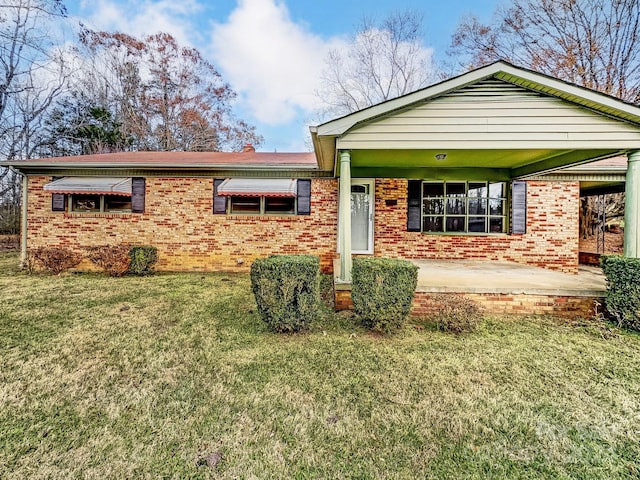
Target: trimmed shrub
[112,259]
[623,289]
[142,259]
[286,288]
[382,291]
[456,313]
[54,259]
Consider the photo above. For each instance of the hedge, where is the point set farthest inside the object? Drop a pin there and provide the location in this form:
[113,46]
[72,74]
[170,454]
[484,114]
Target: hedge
[382,291]
[286,288]
[623,289]
[142,259]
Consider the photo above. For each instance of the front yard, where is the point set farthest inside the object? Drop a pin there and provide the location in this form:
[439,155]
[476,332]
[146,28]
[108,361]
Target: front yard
[175,376]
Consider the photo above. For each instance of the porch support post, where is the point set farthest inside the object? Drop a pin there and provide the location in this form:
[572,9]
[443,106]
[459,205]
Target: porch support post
[23,221]
[344,217]
[632,207]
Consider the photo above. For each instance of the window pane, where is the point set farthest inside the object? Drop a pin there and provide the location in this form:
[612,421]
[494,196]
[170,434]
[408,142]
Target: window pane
[85,203]
[497,190]
[432,224]
[279,205]
[433,206]
[477,224]
[433,190]
[455,224]
[477,206]
[117,203]
[496,224]
[477,190]
[456,206]
[496,207]
[245,204]
[359,188]
[456,189]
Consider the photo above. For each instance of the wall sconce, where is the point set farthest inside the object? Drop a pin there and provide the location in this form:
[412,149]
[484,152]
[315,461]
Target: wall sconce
[441,156]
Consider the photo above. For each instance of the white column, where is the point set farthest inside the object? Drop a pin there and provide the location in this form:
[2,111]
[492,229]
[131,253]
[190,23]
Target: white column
[344,217]
[632,207]
[23,223]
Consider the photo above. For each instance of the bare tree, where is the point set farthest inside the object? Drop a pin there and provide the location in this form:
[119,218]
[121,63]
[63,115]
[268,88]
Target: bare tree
[382,61]
[32,75]
[593,43]
[163,96]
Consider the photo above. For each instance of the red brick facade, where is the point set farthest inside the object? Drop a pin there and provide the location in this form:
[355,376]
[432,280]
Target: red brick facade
[551,240]
[178,219]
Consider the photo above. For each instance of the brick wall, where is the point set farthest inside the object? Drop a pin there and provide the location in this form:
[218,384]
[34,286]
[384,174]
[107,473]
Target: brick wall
[178,219]
[551,240]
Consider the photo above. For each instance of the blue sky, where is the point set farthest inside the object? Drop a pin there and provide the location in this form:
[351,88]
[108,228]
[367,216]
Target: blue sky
[271,51]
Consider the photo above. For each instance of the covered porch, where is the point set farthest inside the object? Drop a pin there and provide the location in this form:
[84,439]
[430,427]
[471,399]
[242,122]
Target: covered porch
[455,173]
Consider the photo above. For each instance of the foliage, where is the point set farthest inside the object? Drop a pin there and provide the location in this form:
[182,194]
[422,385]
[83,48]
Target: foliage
[163,96]
[382,61]
[112,259]
[592,43]
[286,289]
[382,291]
[456,313]
[54,259]
[623,289]
[77,127]
[142,259]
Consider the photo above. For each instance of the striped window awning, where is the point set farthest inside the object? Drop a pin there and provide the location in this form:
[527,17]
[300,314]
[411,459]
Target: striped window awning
[91,185]
[259,187]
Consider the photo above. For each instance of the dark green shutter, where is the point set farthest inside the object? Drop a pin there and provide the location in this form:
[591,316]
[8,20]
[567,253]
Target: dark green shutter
[137,194]
[219,201]
[304,197]
[58,203]
[519,207]
[414,212]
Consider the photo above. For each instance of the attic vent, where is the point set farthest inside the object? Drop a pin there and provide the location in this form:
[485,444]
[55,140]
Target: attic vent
[492,87]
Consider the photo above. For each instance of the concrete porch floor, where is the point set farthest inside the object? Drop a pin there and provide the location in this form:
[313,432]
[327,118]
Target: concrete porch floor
[474,276]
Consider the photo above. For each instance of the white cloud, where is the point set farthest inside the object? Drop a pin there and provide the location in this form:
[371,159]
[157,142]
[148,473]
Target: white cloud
[139,18]
[271,61]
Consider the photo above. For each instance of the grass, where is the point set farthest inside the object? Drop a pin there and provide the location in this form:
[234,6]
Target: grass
[150,377]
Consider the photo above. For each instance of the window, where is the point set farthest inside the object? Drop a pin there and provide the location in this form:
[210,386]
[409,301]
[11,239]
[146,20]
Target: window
[464,207]
[97,194]
[262,205]
[86,203]
[262,196]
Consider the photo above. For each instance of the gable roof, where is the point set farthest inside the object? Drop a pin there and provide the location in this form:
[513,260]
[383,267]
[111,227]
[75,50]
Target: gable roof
[324,135]
[529,79]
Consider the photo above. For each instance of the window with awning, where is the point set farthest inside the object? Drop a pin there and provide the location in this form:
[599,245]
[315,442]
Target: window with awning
[269,196]
[97,194]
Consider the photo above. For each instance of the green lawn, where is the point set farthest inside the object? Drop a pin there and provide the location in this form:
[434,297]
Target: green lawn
[147,377]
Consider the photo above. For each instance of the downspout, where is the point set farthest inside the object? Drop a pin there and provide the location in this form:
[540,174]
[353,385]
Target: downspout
[344,217]
[24,223]
[632,206]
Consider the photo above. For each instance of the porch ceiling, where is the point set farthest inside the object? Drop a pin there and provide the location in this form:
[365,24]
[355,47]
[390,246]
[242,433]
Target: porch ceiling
[494,163]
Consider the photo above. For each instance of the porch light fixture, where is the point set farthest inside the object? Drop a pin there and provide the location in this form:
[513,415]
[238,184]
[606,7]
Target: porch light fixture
[441,156]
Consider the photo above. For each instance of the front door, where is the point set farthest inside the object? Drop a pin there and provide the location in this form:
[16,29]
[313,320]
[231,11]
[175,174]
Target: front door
[362,215]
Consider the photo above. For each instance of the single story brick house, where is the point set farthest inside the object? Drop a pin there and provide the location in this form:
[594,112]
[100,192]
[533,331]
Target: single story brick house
[457,170]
